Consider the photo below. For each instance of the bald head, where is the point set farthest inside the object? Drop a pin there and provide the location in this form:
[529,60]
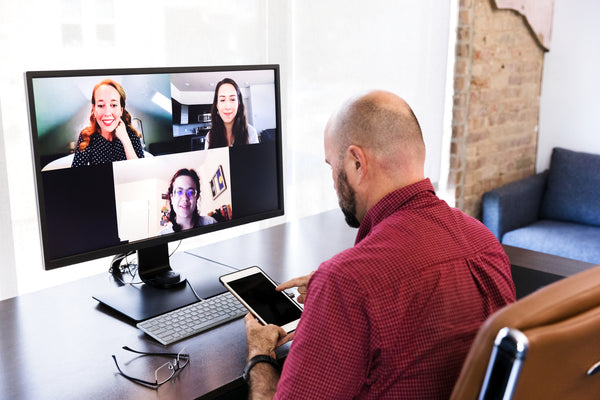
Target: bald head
[381,122]
[374,146]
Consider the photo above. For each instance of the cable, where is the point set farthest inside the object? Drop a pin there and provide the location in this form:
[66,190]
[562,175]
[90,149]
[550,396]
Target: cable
[117,270]
[130,268]
[115,264]
[173,252]
[193,291]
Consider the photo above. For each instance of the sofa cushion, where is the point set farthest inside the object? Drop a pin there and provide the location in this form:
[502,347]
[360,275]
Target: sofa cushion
[573,188]
[565,239]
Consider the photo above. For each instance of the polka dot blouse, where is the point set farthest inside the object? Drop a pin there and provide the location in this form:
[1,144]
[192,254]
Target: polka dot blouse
[102,151]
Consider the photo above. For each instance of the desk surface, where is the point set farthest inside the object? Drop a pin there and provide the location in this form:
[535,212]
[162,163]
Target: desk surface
[57,343]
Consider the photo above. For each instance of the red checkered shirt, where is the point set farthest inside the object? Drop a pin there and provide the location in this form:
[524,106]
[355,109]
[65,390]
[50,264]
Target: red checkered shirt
[394,316]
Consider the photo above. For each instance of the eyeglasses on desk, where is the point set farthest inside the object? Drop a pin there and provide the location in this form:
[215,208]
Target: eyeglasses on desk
[164,372]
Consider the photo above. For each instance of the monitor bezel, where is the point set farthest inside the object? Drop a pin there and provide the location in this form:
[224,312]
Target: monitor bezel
[50,264]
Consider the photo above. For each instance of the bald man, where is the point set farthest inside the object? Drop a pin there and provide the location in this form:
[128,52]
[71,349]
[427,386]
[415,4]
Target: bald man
[394,316]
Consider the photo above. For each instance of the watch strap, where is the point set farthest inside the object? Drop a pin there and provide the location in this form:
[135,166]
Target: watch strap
[255,360]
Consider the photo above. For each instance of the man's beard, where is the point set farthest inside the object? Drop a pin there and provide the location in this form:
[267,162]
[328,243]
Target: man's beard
[347,200]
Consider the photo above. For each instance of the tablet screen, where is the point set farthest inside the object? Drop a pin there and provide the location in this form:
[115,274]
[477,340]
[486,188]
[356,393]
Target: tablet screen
[260,294]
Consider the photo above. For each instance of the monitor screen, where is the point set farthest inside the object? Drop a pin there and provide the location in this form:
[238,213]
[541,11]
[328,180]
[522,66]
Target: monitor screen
[131,159]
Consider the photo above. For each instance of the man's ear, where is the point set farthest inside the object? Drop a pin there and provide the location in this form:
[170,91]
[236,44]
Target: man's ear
[358,159]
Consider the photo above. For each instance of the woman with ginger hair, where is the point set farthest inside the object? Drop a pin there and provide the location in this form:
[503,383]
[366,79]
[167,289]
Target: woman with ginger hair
[110,136]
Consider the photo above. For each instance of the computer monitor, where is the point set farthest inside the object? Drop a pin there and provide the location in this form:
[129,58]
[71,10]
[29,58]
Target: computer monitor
[172,176]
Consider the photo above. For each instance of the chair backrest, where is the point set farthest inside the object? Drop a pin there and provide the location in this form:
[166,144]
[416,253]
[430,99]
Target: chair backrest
[561,324]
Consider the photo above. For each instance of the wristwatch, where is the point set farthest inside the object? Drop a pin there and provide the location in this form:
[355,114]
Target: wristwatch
[255,360]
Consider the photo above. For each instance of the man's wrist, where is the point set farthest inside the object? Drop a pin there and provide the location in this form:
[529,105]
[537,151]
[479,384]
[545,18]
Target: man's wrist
[257,351]
[256,359]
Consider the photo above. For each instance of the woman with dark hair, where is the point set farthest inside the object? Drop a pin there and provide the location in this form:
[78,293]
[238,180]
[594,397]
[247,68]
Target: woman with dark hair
[184,195]
[110,135]
[228,115]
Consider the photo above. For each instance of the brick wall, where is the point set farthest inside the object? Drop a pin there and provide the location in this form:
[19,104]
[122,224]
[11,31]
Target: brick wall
[497,81]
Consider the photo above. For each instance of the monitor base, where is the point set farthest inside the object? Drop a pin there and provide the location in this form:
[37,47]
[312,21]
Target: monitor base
[166,279]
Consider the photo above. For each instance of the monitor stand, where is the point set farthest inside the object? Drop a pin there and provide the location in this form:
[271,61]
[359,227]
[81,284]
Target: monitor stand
[154,268]
[143,301]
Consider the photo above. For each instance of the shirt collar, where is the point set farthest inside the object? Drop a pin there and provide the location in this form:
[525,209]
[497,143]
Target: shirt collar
[389,204]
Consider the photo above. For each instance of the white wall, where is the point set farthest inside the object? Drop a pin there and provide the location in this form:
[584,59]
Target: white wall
[8,276]
[570,99]
[341,48]
[327,49]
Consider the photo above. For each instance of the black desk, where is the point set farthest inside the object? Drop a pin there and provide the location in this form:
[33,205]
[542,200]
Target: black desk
[57,343]
[532,270]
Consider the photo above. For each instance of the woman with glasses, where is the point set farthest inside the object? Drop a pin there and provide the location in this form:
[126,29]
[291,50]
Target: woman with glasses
[184,196]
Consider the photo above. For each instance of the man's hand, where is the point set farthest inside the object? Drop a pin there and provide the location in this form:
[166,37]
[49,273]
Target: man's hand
[301,283]
[263,339]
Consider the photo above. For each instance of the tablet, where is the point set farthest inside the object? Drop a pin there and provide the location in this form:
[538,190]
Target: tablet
[257,293]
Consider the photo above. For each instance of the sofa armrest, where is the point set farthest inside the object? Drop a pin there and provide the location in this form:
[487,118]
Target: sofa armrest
[514,205]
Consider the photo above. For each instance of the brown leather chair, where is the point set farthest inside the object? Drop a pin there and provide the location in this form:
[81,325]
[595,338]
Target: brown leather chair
[561,343]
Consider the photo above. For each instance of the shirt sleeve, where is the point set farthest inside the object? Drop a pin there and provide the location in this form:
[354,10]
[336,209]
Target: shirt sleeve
[206,220]
[80,158]
[330,355]
[252,135]
[137,144]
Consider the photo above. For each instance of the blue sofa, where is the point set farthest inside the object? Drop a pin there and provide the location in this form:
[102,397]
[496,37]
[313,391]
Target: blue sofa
[555,212]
